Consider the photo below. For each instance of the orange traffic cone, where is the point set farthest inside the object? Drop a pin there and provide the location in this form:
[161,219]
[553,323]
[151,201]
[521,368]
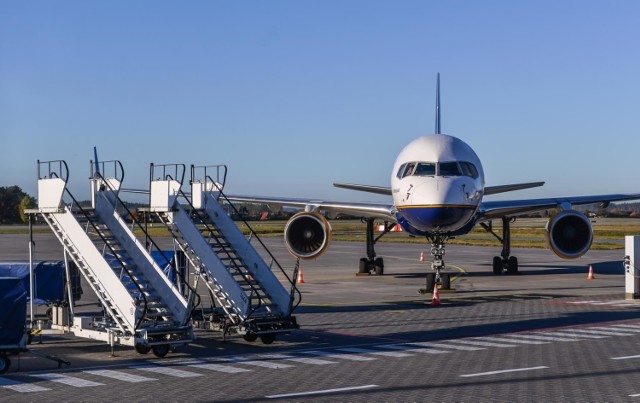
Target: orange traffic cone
[436,296]
[422,256]
[591,276]
[300,278]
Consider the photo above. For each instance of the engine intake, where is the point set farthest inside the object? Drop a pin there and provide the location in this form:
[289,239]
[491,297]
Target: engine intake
[569,234]
[307,235]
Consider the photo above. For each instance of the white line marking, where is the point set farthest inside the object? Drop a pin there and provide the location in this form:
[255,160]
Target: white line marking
[569,334]
[504,371]
[442,345]
[623,328]
[218,367]
[636,395]
[538,337]
[257,363]
[352,357]
[605,332]
[318,392]
[481,343]
[303,360]
[374,352]
[509,340]
[626,358]
[121,376]
[68,380]
[414,349]
[20,386]
[178,373]
[630,326]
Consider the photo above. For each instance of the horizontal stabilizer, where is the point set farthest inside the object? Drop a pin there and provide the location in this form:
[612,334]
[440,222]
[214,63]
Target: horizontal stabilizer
[365,188]
[491,190]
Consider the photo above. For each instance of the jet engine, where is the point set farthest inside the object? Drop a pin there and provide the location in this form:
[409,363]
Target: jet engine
[569,234]
[307,235]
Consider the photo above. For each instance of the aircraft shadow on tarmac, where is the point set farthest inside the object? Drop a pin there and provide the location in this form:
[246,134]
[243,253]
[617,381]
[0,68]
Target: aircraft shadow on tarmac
[584,318]
[592,318]
[604,268]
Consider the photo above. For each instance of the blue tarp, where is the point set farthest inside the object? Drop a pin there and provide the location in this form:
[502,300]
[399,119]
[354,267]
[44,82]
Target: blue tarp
[49,279]
[162,259]
[13,310]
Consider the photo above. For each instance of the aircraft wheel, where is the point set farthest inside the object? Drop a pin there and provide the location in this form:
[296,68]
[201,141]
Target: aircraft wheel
[512,265]
[5,363]
[268,338]
[142,349]
[160,350]
[497,265]
[250,337]
[364,266]
[379,266]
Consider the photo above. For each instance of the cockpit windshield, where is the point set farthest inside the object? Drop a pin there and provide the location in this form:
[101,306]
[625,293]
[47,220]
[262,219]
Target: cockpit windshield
[451,168]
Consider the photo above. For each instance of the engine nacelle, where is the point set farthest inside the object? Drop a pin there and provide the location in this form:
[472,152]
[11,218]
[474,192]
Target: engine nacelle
[307,235]
[569,234]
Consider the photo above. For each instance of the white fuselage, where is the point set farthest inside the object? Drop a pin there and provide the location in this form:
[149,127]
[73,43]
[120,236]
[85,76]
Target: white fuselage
[437,183]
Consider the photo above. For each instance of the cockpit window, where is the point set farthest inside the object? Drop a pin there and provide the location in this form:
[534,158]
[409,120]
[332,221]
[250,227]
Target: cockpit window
[409,169]
[425,169]
[468,169]
[452,168]
[449,169]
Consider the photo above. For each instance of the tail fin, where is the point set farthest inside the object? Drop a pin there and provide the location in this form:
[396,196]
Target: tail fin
[438,105]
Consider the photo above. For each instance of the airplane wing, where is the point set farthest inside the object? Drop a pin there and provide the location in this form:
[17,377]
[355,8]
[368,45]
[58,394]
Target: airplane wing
[496,209]
[375,210]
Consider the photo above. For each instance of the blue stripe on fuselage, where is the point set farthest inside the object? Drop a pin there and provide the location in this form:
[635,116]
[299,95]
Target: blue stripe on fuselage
[427,218]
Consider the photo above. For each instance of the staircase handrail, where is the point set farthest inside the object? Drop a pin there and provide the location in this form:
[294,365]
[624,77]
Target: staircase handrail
[217,167]
[254,290]
[122,264]
[86,214]
[294,289]
[192,291]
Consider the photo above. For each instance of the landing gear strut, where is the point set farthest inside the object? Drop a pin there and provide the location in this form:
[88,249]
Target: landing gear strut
[443,280]
[504,262]
[371,264]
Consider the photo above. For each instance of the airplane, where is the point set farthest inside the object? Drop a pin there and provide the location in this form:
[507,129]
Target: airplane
[437,192]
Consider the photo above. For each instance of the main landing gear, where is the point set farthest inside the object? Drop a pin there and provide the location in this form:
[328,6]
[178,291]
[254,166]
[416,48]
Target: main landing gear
[504,262]
[371,264]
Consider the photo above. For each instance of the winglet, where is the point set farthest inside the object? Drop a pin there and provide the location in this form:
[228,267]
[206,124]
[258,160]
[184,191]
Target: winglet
[438,105]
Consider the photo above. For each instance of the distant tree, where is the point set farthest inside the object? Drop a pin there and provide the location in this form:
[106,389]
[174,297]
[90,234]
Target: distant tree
[26,203]
[10,199]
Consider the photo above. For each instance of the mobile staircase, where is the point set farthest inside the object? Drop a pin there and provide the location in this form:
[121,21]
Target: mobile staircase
[142,308]
[247,296]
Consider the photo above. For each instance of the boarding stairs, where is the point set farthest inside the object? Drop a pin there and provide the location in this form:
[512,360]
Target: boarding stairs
[249,297]
[143,308]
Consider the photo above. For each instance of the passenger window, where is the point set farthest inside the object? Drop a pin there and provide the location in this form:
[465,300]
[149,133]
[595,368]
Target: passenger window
[449,169]
[425,169]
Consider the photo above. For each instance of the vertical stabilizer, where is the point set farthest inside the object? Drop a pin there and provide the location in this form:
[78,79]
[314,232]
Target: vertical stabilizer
[438,105]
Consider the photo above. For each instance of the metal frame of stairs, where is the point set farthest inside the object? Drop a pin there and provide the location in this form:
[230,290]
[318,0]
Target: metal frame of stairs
[247,295]
[142,307]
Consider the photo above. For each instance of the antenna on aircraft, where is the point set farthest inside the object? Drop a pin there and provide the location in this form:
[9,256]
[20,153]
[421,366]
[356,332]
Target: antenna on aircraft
[438,105]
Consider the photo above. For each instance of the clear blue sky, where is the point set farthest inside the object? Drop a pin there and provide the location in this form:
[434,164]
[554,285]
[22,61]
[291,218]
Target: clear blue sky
[293,95]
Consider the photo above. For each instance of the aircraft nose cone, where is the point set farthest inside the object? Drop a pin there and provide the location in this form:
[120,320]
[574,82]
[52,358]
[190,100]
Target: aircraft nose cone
[439,205]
